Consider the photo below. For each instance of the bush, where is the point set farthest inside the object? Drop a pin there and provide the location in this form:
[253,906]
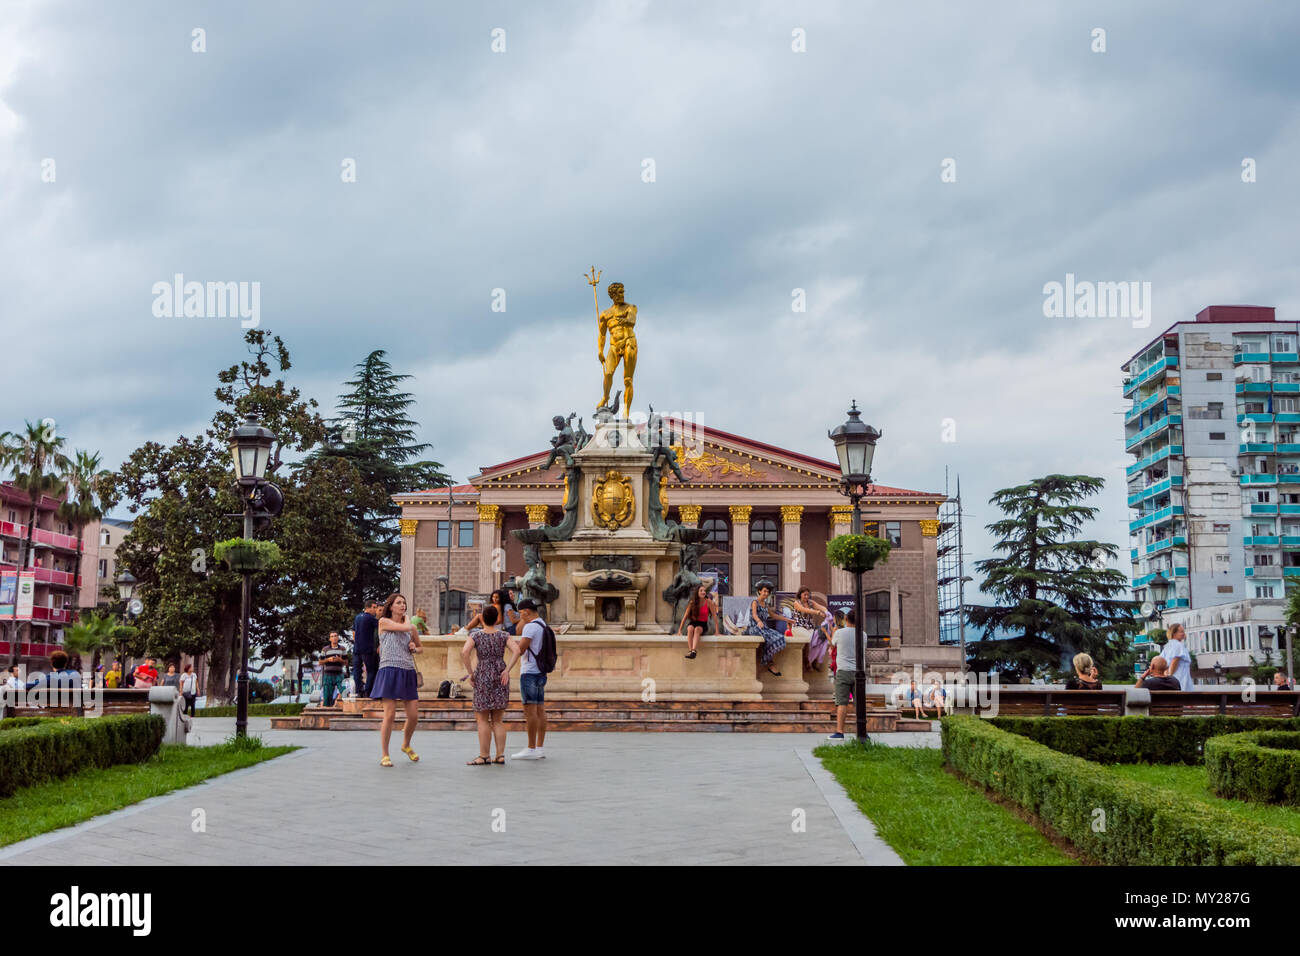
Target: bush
[9,723]
[1156,740]
[254,710]
[59,747]
[856,552]
[1263,767]
[1143,825]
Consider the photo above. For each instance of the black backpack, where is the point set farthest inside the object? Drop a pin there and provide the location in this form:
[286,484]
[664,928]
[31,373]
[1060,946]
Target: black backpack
[544,655]
[444,690]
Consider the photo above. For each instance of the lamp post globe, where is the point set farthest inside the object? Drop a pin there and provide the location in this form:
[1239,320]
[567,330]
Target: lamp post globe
[855,447]
[126,583]
[250,448]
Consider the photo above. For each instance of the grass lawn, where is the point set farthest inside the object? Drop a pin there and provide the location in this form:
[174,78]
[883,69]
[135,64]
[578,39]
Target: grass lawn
[1191,783]
[930,817]
[60,803]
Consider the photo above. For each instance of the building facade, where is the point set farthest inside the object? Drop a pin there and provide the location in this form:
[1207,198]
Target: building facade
[63,572]
[1214,428]
[768,511]
[108,537]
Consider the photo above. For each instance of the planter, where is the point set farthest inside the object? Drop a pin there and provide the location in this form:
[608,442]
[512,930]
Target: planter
[857,553]
[246,556]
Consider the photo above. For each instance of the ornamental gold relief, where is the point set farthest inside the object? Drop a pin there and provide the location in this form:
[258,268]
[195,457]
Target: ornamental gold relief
[612,501]
[929,527]
[791,514]
[741,513]
[489,512]
[408,527]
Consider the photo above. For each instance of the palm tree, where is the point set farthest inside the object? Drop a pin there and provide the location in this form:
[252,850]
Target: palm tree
[35,458]
[92,634]
[87,499]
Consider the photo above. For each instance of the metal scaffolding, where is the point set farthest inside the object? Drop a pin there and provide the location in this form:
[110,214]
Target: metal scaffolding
[952,571]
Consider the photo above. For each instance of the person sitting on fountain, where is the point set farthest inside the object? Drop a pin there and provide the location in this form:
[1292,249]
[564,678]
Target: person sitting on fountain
[760,617]
[696,618]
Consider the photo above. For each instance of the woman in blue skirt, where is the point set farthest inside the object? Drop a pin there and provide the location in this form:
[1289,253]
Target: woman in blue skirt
[760,625]
[395,679]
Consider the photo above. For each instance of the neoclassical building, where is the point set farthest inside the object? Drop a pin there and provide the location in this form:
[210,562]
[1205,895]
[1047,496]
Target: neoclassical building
[768,511]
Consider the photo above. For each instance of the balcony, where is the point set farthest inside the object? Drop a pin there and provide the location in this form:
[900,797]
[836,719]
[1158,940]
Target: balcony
[1261,541]
[1254,388]
[1256,509]
[40,537]
[1263,418]
[1155,547]
[1255,447]
[1147,374]
[1156,518]
[1257,479]
[1286,388]
[1286,357]
[1264,571]
[1152,458]
[1155,489]
[63,579]
[1153,429]
[54,615]
[1255,358]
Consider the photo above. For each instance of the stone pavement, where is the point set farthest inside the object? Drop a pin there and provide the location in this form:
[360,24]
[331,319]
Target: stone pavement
[623,798]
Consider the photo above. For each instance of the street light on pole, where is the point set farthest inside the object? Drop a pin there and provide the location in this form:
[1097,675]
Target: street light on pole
[250,448]
[126,583]
[855,447]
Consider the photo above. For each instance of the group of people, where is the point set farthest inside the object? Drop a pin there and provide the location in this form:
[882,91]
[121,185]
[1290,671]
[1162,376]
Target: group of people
[62,675]
[501,635]
[703,607]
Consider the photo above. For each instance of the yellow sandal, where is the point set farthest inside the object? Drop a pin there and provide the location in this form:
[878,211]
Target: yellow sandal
[384,761]
[411,753]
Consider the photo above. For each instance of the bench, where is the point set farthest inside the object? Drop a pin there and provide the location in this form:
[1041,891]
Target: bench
[74,702]
[1230,701]
[1020,702]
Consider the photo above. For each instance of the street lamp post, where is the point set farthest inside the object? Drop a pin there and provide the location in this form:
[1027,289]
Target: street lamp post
[250,447]
[855,446]
[126,583]
[444,581]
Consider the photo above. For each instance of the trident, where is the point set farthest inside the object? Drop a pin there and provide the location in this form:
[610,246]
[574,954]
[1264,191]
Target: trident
[593,280]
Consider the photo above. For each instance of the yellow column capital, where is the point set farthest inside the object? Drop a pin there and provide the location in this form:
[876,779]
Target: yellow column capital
[489,512]
[741,513]
[690,513]
[929,527]
[408,527]
[841,514]
[537,514]
[791,514]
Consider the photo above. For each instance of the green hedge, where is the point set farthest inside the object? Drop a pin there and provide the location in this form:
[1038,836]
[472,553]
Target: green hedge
[1155,740]
[1263,767]
[1143,825]
[9,723]
[254,710]
[63,746]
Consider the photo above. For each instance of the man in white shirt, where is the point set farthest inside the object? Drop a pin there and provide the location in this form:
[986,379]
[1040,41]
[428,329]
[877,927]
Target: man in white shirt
[1175,653]
[532,682]
[846,670]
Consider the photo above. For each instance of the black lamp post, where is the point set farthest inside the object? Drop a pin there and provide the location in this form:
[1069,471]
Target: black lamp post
[250,447]
[126,583]
[855,446]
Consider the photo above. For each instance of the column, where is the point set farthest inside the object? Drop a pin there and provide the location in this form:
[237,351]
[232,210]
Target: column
[895,615]
[406,580]
[841,523]
[796,562]
[740,548]
[537,515]
[690,515]
[491,557]
[930,577]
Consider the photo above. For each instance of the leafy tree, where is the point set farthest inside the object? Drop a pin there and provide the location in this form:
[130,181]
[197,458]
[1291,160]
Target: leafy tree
[35,458]
[374,434]
[87,497]
[186,500]
[1052,592]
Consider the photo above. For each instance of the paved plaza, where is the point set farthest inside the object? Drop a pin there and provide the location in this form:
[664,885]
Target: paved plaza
[624,798]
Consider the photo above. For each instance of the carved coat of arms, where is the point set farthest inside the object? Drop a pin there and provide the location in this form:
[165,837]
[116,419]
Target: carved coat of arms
[613,502]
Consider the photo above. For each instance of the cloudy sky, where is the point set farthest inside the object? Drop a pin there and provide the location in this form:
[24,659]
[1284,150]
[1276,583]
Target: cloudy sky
[518,168]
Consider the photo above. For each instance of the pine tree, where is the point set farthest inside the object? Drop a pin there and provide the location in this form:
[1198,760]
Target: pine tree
[1052,588]
[373,433]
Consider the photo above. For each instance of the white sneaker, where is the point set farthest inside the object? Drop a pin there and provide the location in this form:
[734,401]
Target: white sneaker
[539,754]
[527,753]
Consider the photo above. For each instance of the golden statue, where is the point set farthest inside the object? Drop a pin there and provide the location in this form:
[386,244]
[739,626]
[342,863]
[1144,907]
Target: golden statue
[619,320]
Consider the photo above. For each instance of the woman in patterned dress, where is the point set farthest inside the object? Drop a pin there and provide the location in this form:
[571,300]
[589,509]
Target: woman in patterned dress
[760,618]
[490,678]
[395,679]
[814,617]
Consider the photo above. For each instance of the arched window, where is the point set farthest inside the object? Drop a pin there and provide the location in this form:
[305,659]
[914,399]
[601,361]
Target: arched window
[717,533]
[764,535]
